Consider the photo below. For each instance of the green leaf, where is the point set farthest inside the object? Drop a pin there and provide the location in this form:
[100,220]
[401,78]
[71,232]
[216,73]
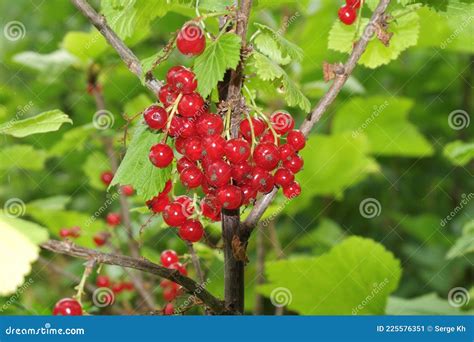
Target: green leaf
[72,140]
[45,122]
[215,5]
[84,45]
[384,121]
[19,240]
[137,104]
[286,47]
[22,157]
[137,170]
[267,45]
[429,304]
[458,152]
[425,228]
[355,277]
[50,203]
[465,244]
[211,65]
[268,70]
[321,239]
[405,34]
[95,164]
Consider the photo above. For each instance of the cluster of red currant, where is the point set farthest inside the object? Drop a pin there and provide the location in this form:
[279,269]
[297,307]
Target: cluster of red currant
[348,13]
[104,281]
[73,232]
[171,290]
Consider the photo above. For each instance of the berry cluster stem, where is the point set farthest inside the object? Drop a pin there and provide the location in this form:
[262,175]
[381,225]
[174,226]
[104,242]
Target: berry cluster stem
[174,110]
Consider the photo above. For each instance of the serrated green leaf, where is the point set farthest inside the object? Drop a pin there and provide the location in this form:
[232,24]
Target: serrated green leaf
[464,244]
[287,47]
[137,170]
[84,45]
[267,45]
[266,69]
[95,164]
[340,281]
[45,122]
[72,140]
[22,157]
[211,65]
[384,121]
[459,152]
[321,239]
[405,34]
[215,5]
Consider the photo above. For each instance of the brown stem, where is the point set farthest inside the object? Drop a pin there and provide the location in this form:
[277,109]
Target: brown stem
[142,264]
[342,74]
[124,52]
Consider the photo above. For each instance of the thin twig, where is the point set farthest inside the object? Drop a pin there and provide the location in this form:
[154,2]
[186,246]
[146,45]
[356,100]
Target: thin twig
[196,263]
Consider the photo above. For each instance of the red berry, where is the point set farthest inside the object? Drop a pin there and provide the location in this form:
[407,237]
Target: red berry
[191,231]
[193,149]
[282,122]
[188,128]
[67,307]
[106,177]
[169,309]
[353,3]
[286,150]
[128,190]
[249,193]
[159,203]
[100,239]
[258,128]
[102,281]
[241,172]
[266,155]
[176,127]
[183,163]
[161,155]
[186,204]
[191,177]
[155,117]
[192,105]
[183,81]
[262,180]
[179,267]
[168,257]
[268,137]
[213,147]
[292,190]
[117,288]
[347,14]
[127,285]
[283,177]
[191,40]
[210,208]
[293,163]
[237,150]
[174,215]
[218,173]
[64,233]
[296,139]
[75,232]
[172,72]
[180,144]
[230,196]
[113,219]
[167,96]
[168,283]
[170,294]
[206,188]
[209,124]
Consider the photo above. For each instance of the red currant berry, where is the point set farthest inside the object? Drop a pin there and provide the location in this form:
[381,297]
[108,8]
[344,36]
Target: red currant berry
[266,155]
[258,128]
[158,203]
[75,232]
[176,126]
[191,177]
[169,309]
[191,231]
[213,147]
[268,137]
[155,117]
[106,177]
[169,294]
[172,72]
[186,204]
[127,285]
[179,267]
[286,150]
[353,3]
[188,128]
[100,239]
[218,173]
[347,15]
[64,233]
[168,257]
[209,124]
[168,283]
[282,122]
[230,196]
[191,40]
[113,219]
[183,163]
[296,139]
[237,150]
[292,190]
[128,190]
[206,188]
[241,172]
[192,105]
[183,81]
[161,155]
[117,288]
[174,214]
[249,193]
[193,149]
[180,144]
[102,281]
[210,208]
[167,96]
[293,163]
[67,307]
[283,177]
[262,180]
